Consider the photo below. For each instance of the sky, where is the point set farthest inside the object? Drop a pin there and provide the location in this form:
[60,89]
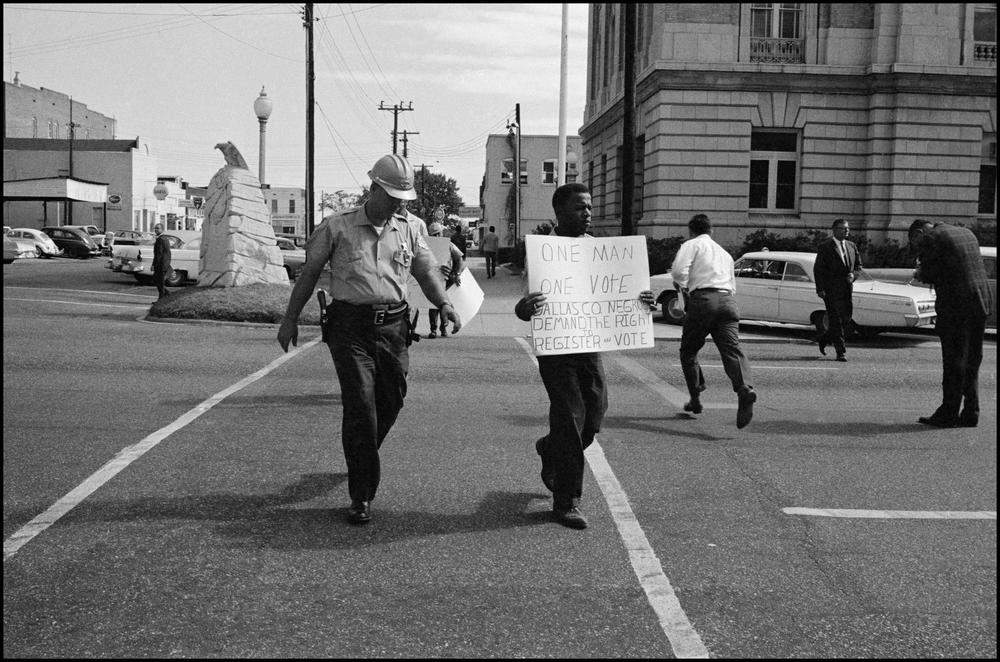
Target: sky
[184,77]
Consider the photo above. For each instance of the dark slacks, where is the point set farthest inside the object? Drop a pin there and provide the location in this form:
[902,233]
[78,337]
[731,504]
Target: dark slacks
[578,401]
[712,313]
[160,280]
[491,263]
[372,362]
[839,311]
[961,355]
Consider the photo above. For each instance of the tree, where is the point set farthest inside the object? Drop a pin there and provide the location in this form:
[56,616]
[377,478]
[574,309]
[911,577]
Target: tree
[340,200]
[435,190]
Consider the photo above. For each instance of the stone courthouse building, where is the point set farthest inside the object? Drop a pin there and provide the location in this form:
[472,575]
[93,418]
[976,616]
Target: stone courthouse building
[785,116]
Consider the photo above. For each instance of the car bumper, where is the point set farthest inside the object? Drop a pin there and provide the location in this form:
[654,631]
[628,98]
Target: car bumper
[926,319]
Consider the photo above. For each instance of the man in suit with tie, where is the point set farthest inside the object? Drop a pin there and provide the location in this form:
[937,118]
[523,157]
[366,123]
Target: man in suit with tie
[949,259]
[838,264]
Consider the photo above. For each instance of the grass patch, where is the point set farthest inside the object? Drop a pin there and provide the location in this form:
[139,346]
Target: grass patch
[260,302]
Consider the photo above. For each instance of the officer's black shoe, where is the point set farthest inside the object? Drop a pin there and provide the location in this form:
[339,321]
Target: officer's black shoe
[967,420]
[937,421]
[359,512]
[693,405]
[571,517]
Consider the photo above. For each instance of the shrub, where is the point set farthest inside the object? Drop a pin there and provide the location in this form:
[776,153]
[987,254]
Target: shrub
[661,253]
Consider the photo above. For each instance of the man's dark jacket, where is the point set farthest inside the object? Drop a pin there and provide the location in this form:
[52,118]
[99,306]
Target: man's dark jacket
[830,272]
[951,261]
[161,254]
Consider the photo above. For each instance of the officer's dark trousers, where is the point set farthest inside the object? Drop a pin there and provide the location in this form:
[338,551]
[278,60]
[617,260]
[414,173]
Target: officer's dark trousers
[712,313]
[961,355]
[838,316]
[372,362]
[577,403]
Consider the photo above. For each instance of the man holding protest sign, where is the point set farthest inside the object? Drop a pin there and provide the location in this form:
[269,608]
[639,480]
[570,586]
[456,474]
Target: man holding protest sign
[703,273]
[575,382]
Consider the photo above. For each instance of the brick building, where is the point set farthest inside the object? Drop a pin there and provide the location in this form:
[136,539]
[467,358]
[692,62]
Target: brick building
[539,161]
[785,116]
[42,113]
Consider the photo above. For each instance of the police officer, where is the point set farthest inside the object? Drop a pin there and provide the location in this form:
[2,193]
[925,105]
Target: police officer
[371,250]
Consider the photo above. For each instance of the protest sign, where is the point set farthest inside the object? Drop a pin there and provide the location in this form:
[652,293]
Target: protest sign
[591,289]
[467,297]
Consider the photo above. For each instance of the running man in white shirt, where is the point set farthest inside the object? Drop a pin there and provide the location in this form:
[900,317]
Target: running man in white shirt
[703,272]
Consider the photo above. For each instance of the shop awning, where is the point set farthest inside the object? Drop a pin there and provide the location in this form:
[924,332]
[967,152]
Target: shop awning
[55,188]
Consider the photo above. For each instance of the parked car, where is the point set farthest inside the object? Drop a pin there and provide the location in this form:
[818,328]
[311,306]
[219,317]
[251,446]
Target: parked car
[905,275]
[95,233]
[778,286]
[185,247]
[133,237]
[73,241]
[42,243]
[293,256]
[10,249]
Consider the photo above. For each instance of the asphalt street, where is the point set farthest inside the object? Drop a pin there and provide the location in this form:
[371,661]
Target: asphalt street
[178,490]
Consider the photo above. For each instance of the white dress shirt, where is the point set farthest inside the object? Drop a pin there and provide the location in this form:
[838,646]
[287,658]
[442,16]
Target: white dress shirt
[702,263]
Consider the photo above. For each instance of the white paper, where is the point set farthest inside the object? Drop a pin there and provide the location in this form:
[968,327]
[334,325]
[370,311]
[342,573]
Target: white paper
[467,298]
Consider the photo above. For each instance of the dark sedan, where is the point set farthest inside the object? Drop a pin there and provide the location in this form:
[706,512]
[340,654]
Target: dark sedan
[73,241]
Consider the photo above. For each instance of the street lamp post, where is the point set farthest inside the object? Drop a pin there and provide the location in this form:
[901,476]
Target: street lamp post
[262,108]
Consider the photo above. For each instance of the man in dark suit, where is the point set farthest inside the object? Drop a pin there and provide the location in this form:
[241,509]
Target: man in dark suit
[161,261]
[948,258]
[838,264]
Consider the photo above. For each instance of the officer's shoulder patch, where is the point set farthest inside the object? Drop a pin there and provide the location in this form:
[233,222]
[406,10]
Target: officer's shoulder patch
[421,243]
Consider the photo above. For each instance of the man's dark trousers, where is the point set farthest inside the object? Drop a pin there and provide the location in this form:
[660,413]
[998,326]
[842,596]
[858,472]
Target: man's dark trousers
[372,363]
[839,311]
[715,313]
[961,355]
[578,401]
[160,280]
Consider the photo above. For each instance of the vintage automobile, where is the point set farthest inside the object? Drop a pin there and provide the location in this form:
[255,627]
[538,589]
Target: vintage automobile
[74,241]
[293,256]
[10,249]
[778,286]
[41,243]
[989,253]
[185,246]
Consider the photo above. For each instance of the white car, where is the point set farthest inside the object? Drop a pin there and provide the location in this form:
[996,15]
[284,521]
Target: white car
[42,244]
[778,286]
[185,249]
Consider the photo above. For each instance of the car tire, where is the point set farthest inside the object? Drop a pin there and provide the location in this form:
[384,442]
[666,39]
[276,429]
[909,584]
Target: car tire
[820,321]
[671,313]
[39,252]
[175,278]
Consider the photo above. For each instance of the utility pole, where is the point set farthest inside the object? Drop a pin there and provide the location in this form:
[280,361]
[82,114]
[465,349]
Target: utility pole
[517,171]
[405,134]
[423,187]
[396,110]
[310,118]
[628,123]
[72,130]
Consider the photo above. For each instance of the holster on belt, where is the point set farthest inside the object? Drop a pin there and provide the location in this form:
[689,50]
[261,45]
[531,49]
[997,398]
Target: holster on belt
[411,329]
[321,295]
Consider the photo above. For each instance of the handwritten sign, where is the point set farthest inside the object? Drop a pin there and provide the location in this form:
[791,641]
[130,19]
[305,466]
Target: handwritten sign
[591,289]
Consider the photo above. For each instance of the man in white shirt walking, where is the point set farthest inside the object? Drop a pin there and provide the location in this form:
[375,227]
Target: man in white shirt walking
[703,273]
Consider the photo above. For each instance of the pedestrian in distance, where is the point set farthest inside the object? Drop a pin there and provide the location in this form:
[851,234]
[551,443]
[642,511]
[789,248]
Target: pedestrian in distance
[837,266]
[491,246]
[575,383]
[372,250]
[161,261]
[948,258]
[452,273]
[703,274]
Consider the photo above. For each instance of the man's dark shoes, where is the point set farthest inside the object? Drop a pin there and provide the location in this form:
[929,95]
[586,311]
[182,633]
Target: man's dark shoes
[571,517]
[967,421]
[937,421]
[359,512]
[822,346]
[693,405]
[744,412]
[548,474]
[842,358]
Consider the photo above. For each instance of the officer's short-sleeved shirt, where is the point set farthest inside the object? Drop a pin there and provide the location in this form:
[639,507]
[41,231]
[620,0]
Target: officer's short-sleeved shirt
[368,267]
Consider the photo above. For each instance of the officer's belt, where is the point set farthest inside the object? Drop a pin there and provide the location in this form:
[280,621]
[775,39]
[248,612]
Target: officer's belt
[377,314]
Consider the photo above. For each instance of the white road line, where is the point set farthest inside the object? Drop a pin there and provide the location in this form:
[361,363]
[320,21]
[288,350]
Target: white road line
[79,303]
[683,638]
[892,514]
[652,381]
[130,454]
[51,289]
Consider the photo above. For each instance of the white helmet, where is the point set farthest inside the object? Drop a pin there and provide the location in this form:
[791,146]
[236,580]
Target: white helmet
[394,174]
